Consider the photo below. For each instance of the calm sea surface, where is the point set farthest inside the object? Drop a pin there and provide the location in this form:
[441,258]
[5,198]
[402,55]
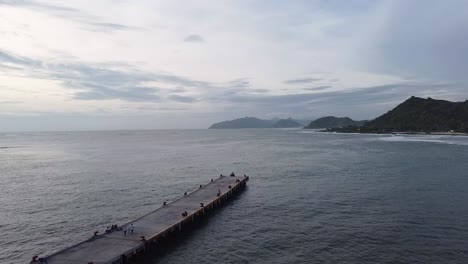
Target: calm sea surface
[312,198]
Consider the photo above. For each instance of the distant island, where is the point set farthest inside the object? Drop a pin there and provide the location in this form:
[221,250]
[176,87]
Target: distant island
[417,115]
[253,122]
[413,116]
[333,122]
[287,123]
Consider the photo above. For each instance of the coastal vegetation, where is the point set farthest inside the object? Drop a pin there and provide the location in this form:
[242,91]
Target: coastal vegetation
[333,122]
[418,115]
[415,115]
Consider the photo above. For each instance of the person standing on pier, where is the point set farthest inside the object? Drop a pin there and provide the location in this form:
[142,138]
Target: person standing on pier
[125,231]
[131,229]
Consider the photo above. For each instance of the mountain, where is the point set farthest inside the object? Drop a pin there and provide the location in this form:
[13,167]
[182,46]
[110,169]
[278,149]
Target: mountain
[419,115]
[246,122]
[303,122]
[333,122]
[286,123]
[253,122]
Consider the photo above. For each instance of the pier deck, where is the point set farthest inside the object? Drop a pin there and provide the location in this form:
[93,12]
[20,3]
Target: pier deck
[114,247]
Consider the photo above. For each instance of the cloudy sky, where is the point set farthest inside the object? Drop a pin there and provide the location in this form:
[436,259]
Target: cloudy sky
[144,64]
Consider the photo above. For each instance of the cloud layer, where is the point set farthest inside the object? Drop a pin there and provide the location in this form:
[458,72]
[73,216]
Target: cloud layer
[198,63]
[302,80]
[425,39]
[69,13]
[193,38]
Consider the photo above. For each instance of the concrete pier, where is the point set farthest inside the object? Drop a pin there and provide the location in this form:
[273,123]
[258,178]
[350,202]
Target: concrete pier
[152,230]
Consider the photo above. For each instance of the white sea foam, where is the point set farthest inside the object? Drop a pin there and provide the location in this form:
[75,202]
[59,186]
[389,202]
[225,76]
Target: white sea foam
[440,139]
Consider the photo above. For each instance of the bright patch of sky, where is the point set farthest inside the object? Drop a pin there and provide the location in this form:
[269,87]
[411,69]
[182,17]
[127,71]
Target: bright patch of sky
[78,65]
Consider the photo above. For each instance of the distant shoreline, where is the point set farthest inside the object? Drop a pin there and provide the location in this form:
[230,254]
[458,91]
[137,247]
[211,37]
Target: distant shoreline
[399,133]
[431,133]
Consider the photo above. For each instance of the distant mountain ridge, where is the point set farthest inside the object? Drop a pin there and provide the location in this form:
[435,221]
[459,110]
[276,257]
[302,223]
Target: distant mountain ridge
[415,115]
[419,115]
[253,122]
[287,123]
[333,122]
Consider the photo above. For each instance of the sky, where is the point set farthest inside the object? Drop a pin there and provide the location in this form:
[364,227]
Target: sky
[145,64]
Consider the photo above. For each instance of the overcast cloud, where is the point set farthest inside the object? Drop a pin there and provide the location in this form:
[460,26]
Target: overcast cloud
[163,64]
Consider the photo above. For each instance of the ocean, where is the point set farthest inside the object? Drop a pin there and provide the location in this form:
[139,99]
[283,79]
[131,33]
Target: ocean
[312,197]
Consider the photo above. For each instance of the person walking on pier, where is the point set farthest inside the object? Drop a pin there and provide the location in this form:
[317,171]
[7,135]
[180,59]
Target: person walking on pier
[131,229]
[125,231]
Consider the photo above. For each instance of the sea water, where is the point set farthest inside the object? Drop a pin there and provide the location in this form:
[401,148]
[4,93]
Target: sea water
[312,198]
